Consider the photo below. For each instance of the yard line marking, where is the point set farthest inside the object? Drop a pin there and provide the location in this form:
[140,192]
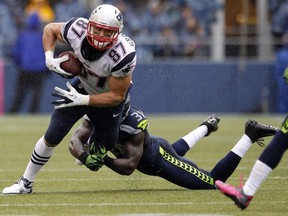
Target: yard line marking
[123,204]
[83,169]
[149,178]
[161,214]
[126,178]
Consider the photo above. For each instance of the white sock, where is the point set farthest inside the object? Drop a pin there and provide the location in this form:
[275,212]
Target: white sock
[194,136]
[40,156]
[242,146]
[258,174]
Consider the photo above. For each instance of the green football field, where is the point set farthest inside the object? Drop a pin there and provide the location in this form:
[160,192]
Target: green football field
[64,188]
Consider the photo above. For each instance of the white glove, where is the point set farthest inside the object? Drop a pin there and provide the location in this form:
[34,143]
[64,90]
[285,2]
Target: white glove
[54,64]
[69,98]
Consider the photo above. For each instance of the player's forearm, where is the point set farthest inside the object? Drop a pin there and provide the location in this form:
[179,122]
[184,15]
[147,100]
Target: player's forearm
[75,148]
[121,166]
[118,89]
[79,138]
[106,99]
[51,34]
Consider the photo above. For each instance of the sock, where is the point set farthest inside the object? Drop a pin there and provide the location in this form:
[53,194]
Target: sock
[226,166]
[40,156]
[242,146]
[194,136]
[258,174]
[188,141]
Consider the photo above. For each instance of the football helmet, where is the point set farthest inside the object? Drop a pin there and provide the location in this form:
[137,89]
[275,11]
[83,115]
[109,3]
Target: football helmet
[104,26]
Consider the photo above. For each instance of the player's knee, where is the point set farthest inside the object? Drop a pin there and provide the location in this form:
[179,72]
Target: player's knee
[51,142]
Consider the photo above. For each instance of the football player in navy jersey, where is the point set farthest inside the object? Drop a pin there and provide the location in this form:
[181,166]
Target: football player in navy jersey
[152,155]
[100,92]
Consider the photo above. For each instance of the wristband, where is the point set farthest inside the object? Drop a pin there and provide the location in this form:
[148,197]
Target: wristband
[49,54]
[108,161]
[83,157]
[85,100]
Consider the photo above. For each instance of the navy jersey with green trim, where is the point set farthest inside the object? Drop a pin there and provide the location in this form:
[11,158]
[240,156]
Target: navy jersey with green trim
[159,158]
[134,123]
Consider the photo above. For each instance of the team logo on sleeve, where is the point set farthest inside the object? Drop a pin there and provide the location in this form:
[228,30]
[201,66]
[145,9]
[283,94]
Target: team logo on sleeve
[284,127]
[127,69]
[143,124]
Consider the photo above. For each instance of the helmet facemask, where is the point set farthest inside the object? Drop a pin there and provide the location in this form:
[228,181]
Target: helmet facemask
[100,36]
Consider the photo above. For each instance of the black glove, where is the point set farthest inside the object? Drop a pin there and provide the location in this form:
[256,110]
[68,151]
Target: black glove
[97,149]
[92,162]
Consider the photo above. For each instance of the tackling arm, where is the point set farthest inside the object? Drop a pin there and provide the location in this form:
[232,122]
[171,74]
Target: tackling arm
[92,161]
[80,136]
[132,152]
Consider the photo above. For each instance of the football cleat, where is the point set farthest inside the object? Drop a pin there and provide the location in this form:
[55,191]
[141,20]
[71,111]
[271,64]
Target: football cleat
[236,194]
[23,186]
[212,124]
[256,131]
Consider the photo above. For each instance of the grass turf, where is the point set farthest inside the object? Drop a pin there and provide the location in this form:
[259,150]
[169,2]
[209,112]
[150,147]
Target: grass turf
[64,188]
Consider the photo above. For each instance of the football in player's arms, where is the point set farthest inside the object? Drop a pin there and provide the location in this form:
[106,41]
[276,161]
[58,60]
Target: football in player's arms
[73,65]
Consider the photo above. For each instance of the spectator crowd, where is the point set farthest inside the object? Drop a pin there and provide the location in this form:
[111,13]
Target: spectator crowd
[159,27]
[14,15]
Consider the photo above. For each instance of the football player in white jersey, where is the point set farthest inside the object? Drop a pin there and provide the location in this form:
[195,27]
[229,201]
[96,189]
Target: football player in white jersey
[100,92]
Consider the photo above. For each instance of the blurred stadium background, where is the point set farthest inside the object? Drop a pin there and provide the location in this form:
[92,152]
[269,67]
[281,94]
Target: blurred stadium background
[193,56]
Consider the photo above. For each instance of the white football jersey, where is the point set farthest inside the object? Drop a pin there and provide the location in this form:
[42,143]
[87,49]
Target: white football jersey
[118,61]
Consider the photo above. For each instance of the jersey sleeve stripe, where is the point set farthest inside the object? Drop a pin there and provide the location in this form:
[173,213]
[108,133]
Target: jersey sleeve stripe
[66,28]
[128,59]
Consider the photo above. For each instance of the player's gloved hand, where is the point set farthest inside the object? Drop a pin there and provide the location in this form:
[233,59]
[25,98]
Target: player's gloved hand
[97,149]
[285,75]
[69,98]
[53,64]
[92,162]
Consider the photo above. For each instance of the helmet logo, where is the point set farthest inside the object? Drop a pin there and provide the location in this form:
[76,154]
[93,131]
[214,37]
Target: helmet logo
[119,17]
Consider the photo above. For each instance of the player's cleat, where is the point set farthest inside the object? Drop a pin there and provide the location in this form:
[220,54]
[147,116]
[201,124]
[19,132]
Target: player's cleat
[256,131]
[236,194]
[212,124]
[23,186]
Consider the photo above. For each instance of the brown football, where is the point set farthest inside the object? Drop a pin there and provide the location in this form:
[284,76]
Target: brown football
[73,65]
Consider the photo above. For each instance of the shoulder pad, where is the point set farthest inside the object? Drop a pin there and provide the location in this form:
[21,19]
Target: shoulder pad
[135,122]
